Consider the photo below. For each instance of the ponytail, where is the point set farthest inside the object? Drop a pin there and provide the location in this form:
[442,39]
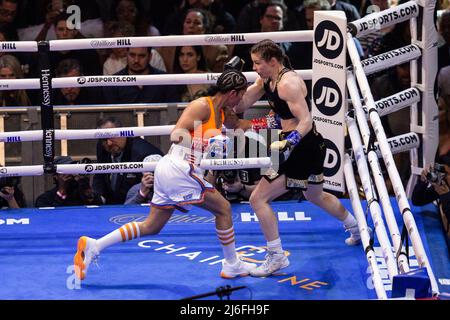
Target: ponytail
[287,62]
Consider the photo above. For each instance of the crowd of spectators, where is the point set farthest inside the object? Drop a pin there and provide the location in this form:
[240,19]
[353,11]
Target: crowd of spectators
[22,20]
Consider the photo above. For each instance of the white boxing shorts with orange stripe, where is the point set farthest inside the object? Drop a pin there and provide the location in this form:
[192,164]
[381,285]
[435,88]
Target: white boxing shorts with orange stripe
[178,184]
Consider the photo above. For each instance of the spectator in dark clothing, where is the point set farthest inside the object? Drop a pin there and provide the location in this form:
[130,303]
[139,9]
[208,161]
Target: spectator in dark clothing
[36,12]
[300,53]
[138,60]
[195,22]
[221,20]
[132,12]
[89,59]
[70,190]
[11,195]
[388,83]
[400,36]
[75,95]
[190,59]
[272,19]
[249,16]
[143,192]
[8,14]
[426,192]
[295,19]
[114,187]
[444,48]
[350,11]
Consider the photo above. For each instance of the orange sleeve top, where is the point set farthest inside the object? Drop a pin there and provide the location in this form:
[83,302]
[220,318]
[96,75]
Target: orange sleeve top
[208,129]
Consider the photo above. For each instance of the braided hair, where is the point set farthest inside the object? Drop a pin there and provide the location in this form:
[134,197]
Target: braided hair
[230,79]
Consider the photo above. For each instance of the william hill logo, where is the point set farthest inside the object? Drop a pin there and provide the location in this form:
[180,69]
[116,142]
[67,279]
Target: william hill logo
[123,42]
[13,139]
[9,46]
[224,39]
[237,38]
[127,133]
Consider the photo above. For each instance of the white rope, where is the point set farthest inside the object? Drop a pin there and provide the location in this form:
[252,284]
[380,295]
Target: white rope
[19,84]
[399,190]
[95,168]
[383,19]
[180,40]
[362,226]
[21,171]
[19,46]
[369,192]
[36,135]
[377,175]
[232,164]
[390,59]
[396,102]
[113,132]
[118,81]
[400,143]
[128,167]
[145,80]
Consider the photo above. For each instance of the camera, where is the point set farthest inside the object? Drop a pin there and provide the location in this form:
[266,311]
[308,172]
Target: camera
[6,182]
[436,174]
[235,63]
[227,176]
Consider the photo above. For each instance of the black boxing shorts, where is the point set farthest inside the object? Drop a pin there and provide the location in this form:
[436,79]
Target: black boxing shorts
[305,163]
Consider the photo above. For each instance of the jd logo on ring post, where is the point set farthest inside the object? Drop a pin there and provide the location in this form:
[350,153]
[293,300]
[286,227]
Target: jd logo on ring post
[329,40]
[327,96]
[332,161]
[328,93]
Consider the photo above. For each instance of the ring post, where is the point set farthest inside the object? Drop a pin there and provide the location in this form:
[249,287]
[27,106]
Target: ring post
[47,120]
[329,99]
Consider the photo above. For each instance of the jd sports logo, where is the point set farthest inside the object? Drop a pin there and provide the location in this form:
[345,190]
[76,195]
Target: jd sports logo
[81,80]
[327,96]
[332,161]
[89,168]
[328,39]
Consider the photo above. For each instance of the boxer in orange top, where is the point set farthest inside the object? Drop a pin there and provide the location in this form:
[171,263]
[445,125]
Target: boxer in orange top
[179,182]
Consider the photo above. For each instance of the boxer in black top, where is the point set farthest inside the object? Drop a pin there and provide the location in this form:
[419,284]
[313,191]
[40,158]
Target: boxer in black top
[301,146]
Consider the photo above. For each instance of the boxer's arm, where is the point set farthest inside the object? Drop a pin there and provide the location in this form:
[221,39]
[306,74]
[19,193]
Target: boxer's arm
[254,93]
[292,90]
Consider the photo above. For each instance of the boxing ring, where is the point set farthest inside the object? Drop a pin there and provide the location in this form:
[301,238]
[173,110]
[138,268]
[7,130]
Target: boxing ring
[183,260]
[37,248]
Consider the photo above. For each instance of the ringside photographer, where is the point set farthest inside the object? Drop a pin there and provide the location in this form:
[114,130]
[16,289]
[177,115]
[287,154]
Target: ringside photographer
[434,185]
[11,196]
[238,185]
[70,190]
